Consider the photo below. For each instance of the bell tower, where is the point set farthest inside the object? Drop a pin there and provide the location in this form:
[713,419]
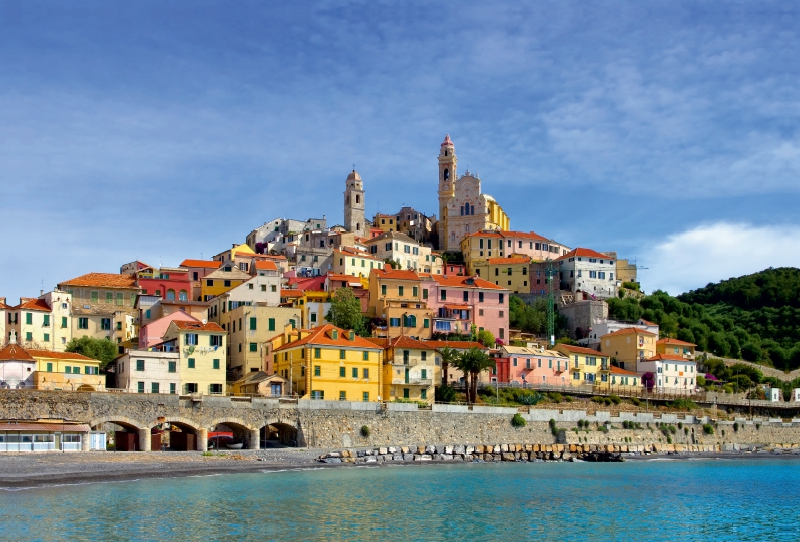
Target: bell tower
[447,184]
[354,205]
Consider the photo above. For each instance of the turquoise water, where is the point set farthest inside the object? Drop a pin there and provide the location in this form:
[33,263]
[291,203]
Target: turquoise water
[659,500]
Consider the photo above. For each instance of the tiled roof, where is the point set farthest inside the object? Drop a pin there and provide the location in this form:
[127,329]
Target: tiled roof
[346,251]
[234,274]
[396,274]
[49,354]
[484,235]
[630,331]
[458,345]
[674,341]
[401,342]
[462,282]
[322,336]
[291,293]
[14,352]
[346,278]
[645,322]
[584,253]
[618,371]
[668,357]
[35,305]
[102,280]
[392,235]
[205,264]
[196,326]
[266,265]
[186,303]
[508,261]
[580,350]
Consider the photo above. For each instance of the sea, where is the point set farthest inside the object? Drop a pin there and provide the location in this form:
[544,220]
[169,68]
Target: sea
[640,500]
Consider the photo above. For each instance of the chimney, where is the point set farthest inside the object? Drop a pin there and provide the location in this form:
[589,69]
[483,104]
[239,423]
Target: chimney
[2,300]
[387,267]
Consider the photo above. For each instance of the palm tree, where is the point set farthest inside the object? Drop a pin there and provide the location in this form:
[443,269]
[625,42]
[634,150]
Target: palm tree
[472,363]
[449,356]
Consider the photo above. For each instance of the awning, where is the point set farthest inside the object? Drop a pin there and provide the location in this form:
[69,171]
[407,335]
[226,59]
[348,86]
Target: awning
[458,307]
[47,427]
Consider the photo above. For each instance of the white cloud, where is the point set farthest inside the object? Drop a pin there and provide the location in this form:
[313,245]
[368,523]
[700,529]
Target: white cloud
[714,252]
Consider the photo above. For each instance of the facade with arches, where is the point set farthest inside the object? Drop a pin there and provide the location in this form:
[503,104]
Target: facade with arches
[463,208]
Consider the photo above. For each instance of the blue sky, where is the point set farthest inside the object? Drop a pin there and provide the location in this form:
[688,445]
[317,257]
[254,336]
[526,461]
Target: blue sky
[162,130]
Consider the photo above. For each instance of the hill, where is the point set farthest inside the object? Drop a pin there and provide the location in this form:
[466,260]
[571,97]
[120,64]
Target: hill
[755,317]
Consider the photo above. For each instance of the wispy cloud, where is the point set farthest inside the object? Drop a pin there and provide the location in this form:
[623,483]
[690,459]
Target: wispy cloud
[714,252]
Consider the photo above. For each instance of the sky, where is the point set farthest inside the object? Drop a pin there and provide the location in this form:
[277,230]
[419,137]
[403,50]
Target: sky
[166,130]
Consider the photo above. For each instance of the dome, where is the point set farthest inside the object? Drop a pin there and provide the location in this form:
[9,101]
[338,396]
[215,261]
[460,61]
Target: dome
[354,176]
[447,141]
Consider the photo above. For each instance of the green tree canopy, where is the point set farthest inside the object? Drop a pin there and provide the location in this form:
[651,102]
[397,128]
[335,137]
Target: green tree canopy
[449,357]
[472,363]
[100,349]
[345,312]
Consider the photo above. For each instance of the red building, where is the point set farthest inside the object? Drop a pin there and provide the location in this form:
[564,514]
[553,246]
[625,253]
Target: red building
[171,283]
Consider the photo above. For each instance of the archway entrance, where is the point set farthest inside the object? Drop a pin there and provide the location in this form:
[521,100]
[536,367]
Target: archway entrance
[279,435]
[231,435]
[174,436]
[121,435]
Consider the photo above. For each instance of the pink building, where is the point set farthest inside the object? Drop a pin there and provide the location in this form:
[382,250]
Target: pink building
[536,367]
[198,270]
[459,302]
[153,333]
[171,283]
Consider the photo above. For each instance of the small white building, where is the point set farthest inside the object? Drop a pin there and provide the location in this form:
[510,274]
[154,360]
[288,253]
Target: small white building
[145,371]
[401,248]
[601,327]
[586,270]
[775,395]
[672,373]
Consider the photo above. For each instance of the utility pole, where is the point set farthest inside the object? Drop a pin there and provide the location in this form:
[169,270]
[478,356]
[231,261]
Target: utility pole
[551,302]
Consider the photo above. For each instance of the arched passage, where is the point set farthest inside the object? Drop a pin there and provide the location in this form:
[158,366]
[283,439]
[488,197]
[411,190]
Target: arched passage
[278,434]
[243,433]
[128,435]
[178,434]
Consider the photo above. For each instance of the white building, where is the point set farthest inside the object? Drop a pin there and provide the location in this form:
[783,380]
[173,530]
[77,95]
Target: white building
[273,236]
[672,373]
[586,270]
[601,327]
[143,371]
[401,248]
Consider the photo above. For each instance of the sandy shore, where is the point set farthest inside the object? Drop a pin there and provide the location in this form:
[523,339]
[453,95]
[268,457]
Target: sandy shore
[31,470]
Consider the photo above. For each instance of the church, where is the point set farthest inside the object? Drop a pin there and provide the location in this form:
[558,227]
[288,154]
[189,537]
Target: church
[463,209]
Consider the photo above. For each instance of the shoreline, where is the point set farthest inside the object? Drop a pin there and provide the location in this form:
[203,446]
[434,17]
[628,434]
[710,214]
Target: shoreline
[56,469]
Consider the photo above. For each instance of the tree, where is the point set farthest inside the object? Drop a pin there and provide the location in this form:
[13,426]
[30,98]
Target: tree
[472,363]
[100,349]
[345,312]
[449,357]
[486,338]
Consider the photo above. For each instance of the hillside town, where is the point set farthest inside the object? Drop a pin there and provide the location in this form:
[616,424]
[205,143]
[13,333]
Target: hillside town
[258,318]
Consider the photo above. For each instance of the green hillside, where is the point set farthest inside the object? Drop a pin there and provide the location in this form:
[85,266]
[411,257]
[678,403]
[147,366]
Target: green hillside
[755,317]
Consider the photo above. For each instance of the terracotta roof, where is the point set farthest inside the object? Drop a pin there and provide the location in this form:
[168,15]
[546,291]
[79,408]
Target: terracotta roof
[400,236]
[14,352]
[396,274]
[458,345]
[525,235]
[461,282]
[205,264]
[585,253]
[197,326]
[346,278]
[35,305]
[508,261]
[647,323]
[345,251]
[291,293]
[188,303]
[43,426]
[102,280]
[668,340]
[630,331]
[266,265]
[401,342]
[234,274]
[618,371]
[580,350]
[322,336]
[484,235]
[36,353]
[668,357]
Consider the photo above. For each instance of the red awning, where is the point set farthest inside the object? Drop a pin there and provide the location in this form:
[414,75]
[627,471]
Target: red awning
[46,427]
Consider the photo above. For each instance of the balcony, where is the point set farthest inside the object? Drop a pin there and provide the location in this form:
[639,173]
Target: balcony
[413,381]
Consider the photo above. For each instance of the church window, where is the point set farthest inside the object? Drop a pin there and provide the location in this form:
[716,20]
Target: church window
[358,226]
[358,198]
[446,173]
[462,210]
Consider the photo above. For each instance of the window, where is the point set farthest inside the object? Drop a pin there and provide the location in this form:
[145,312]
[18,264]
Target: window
[317,370]
[313,317]
[317,353]
[215,388]
[406,393]
[414,292]
[394,322]
[47,337]
[423,393]
[466,296]
[191,363]
[252,324]
[215,340]
[95,297]
[154,387]
[140,387]
[424,356]
[444,295]
[424,374]
[502,298]
[365,396]
[366,373]
[191,387]
[49,367]
[63,322]
[365,355]
[355,372]
[318,394]
[253,347]
[140,365]
[383,289]
[109,298]
[342,372]
[46,322]
[400,291]
[426,323]
[480,297]
[172,388]
[342,396]
[172,367]
[424,293]
[105,324]
[209,282]
[190,339]
[215,364]
[227,283]
[29,336]
[342,354]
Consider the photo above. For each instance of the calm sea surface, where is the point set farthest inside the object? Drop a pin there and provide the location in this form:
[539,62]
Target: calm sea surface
[659,500]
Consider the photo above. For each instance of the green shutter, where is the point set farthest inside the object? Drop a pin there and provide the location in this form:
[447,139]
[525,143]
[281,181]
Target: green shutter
[252,324]
[341,372]
[28,318]
[215,364]
[271,324]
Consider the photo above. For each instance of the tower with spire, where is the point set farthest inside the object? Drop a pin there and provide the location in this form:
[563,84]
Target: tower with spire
[354,205]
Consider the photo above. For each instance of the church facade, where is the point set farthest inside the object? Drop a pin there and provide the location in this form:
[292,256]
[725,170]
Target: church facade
[463,209]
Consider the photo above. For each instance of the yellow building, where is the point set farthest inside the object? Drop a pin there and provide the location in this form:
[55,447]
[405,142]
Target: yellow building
[587,366]
[397,297]
[222,280]
[675,347]
[202,355]
[629,346]
[409,369]
[332,364]
[385,222]
[31,368]
[510,273]
[347,261]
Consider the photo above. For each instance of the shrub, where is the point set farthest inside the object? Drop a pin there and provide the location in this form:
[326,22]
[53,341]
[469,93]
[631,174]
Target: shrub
[683,404]
[673,429]
[635,401]
[615,399]
[669,440]
[685,430]
[518,420]
[445,394]
[735,427]
[680,425]
[555,397]
[364,431]
[708,429]
[599,400]
[602,428]
[553,427]
[569,398]
[758,426]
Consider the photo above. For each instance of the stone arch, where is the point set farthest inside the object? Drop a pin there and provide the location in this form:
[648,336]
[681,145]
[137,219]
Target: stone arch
[122,440]
[192,435]
[283,432]
[242,431]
